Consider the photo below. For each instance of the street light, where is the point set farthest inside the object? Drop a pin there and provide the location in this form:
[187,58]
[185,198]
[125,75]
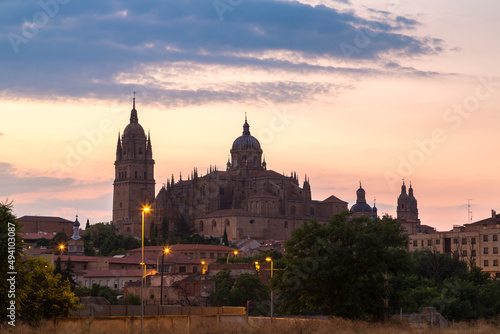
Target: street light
[61,247]
[166,250]
[235,253]
[143,271]
[268,259]
[203,269]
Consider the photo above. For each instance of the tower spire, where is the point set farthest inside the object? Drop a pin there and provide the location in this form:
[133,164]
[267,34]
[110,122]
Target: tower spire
[133,113]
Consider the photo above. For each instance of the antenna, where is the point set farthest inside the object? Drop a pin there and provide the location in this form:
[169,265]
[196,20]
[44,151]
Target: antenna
[469,212]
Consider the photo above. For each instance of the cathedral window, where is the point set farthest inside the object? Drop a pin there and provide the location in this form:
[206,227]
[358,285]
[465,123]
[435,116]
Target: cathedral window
[201,225]
[121,204]
[214,224]
[244,160]
[221,190]
[144,175]
[311,211]
[140,149]
[292,210]
[136,174]
[402,206]
[255,161]
[285,225]
[227,222]
[252,221]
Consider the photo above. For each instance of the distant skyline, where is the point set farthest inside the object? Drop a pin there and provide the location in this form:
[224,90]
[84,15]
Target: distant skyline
[338,90]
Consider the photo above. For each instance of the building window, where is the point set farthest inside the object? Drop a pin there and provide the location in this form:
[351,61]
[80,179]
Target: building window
[486,263]
[311,211]
[201,225]
[485,237]
[495,237]
[473,241]
[212,255]
[292,210]
[202,255]
[438,241]
[415,243]
[495,250]
[100,282]
[495,263]
[86,283]
[116,284]
[107,283]
[252,221]
[214,224]
[227,222]
[485,251]
[464,252]
[144,175]
[123,284]
[221,191]
[464,241]
[195,269]
[455,241]
[473,252]
[429,242]
[182,269]
[422,243]
[135,174]
[285,224]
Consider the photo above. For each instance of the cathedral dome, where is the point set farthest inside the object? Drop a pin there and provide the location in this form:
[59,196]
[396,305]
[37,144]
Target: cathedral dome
[134,130]
[361,207]
[246,141]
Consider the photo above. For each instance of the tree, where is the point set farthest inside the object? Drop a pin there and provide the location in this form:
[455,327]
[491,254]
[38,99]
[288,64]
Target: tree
[87,225]
[223,285]
[42,242]
[58,266]
[249,287]
[132,299]
[225,241]
[46,295]
[69,272]
[342,268]
[59,239]
[103,291]
[88,248]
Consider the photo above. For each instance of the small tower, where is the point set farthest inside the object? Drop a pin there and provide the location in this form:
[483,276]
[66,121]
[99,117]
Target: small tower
[76,243]
[246,153]
[407,205]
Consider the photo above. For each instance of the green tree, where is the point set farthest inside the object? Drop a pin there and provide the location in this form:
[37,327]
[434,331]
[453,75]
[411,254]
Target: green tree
[132,299]
[46,295]
[249,287]
[87,225]
[59,239]
[341,269]
[58,266]
[88,248]
[225,241]
[223,285]
[12,257]
[103,291]
[68,273]
[42,242]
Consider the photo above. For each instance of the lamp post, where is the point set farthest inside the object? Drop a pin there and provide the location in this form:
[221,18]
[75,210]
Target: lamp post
[235,253]
[165,251]
[143,271]
[61,247]
[203,270]
[268,259]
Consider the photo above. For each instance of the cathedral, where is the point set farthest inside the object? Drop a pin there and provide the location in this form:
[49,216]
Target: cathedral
[247,200]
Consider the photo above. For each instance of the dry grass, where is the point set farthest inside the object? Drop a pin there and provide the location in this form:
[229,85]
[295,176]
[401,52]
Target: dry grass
[257,326]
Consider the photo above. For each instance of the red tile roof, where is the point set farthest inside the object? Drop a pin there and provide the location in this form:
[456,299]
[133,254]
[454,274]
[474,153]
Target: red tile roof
[44,219]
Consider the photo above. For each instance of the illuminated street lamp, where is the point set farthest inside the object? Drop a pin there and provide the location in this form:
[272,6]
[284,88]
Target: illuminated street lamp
[203,269]
[268,259]
[235,253]
[166,250]
[61,247]
[143,266]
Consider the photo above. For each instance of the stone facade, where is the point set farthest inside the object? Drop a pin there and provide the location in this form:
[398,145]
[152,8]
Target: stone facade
[476,243]
[246,200]
[49,225]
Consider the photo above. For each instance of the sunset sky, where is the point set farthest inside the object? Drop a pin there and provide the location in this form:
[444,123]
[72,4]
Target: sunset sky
[338,90]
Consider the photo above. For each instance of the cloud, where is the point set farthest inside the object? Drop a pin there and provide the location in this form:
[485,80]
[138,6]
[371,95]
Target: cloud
[82,48]
[12,184]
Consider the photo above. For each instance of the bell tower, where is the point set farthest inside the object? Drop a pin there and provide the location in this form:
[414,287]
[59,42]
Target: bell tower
[134,184]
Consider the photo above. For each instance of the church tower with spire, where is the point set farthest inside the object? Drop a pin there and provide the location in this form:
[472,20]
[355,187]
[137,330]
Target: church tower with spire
[134,184]
[407,205]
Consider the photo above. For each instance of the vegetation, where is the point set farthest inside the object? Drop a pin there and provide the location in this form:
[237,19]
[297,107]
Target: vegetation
[236,292]
[341,269]
[102,237]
